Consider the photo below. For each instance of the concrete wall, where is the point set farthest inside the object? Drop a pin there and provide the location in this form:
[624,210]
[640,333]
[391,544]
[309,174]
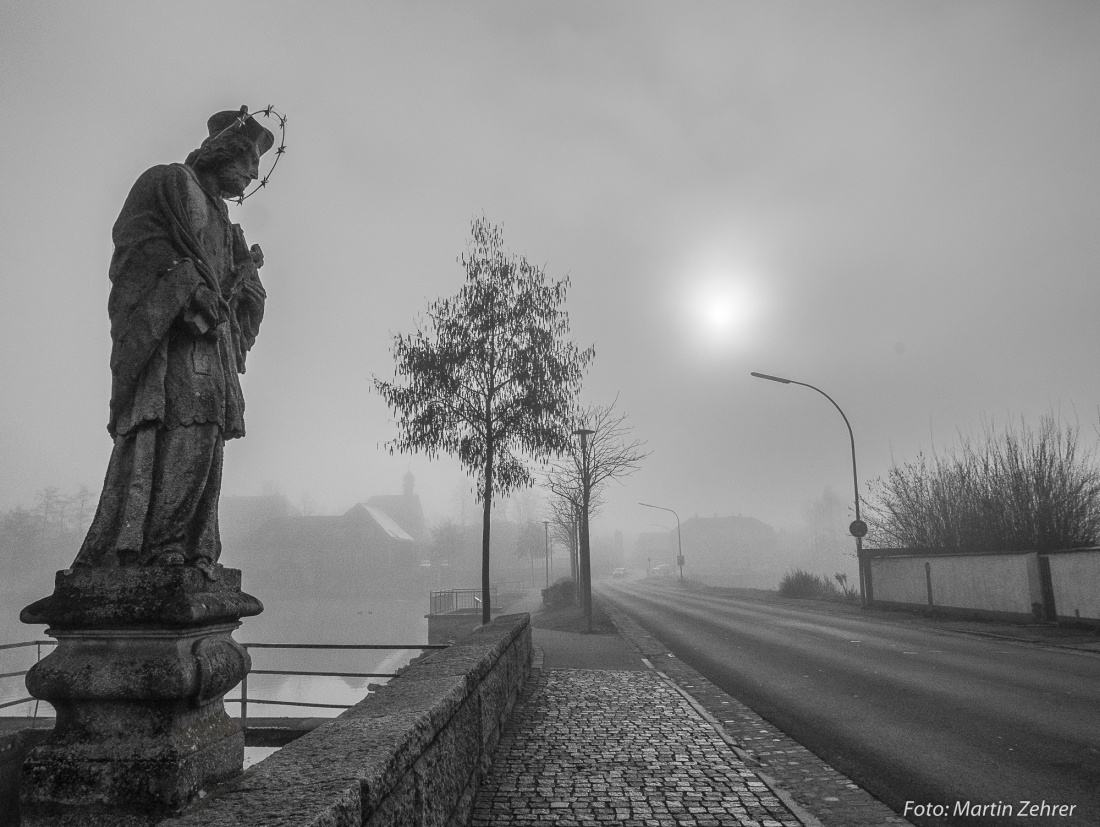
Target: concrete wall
[444,628]
[413,753]
[998,585]
[1075,578]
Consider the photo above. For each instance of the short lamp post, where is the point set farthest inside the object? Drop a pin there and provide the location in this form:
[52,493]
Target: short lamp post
[679,544]
[585,551]
[546,530]
[858,528]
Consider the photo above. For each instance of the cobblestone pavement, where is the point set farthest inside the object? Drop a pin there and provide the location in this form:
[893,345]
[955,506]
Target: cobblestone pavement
[833,798]
[597,747]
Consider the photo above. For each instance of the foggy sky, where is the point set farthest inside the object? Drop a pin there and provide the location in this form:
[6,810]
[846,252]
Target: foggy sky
[903,198]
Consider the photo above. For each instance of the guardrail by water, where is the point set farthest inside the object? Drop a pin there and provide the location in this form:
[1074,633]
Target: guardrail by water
[20,673]
[452,601]
[244,700]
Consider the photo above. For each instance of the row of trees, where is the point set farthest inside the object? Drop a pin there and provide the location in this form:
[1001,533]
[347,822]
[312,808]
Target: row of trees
[492,376]
[606,450]
[52,529]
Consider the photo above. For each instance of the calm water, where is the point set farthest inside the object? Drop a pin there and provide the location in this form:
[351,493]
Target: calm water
[309,620]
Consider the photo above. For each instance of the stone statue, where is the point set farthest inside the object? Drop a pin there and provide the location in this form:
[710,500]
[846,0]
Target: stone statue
[185,307]
[144,619]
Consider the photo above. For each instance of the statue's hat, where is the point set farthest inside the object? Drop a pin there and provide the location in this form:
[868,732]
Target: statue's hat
[225,122]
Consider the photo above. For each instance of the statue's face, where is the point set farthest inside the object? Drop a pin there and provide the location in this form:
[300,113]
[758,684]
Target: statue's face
[240,171]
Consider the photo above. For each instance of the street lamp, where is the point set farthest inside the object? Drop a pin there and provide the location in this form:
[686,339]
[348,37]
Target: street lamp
[585,548]
[546,530]
[679,545]
[858,528]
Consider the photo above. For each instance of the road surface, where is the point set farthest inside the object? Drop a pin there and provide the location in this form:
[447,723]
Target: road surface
[925,719]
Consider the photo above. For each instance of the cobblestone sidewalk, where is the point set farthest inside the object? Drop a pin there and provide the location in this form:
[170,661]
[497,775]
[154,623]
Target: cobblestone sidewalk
[833,798]
[592,747]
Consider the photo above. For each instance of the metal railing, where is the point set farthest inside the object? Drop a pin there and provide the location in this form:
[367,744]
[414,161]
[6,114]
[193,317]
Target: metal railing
[39,644]
[244,700]
[451,601]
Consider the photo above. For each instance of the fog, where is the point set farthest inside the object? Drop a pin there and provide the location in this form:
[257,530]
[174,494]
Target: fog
[896,203]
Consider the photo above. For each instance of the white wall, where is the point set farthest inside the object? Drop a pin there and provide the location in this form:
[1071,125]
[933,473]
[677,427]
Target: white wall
[987,582]
[1075,576]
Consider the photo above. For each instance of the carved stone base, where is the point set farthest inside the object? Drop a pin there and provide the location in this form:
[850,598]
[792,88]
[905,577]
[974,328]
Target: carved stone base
[141,727]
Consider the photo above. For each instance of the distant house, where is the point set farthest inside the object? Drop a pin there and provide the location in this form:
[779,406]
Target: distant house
[737,550]
[238,517]
[370,543]
[727,550]
[404,509]
[655,548]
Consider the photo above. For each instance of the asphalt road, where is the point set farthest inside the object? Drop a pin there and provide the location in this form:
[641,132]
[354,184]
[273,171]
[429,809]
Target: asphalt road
[910,713]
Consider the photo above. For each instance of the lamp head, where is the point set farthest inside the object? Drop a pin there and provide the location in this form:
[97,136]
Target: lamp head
[771,378]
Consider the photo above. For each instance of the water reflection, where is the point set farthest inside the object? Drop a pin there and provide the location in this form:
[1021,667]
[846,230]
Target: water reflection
[306,618]
[313,689]
[254,755]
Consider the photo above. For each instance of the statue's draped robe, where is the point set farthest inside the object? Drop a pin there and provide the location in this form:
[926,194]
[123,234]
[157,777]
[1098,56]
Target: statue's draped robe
[175,393]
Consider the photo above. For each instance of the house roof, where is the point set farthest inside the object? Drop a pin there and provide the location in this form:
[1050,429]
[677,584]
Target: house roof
[383,520]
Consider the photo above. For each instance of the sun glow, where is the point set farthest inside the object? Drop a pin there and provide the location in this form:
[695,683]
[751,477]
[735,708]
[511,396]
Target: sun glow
[722,310]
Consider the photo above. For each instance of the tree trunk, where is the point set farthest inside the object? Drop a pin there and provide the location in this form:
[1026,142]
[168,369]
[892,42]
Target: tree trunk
[487,497]
[586,558]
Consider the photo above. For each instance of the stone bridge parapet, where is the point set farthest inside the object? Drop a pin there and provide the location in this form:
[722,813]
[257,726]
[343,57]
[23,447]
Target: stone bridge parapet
[415,752]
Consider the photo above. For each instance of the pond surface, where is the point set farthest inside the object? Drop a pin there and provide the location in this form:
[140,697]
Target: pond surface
[306,620]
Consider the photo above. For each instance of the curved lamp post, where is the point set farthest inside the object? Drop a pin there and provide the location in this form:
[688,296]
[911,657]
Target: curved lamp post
[679,546]
[858,528]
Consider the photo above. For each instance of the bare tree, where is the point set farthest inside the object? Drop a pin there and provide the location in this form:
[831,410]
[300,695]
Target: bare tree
[51,506]
[607,450]
[561,513]
[80,501]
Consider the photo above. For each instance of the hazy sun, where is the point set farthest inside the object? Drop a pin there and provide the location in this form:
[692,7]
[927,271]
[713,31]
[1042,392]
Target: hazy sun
[721,310]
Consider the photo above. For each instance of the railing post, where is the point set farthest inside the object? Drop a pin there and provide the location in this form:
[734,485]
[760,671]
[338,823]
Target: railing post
[244,704]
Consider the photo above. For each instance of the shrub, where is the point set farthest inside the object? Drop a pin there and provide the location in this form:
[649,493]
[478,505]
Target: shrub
[562,593]
[799,583]
[845,592]
[1011,490]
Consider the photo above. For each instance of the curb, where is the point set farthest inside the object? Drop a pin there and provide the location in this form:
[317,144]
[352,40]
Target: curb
[814,792]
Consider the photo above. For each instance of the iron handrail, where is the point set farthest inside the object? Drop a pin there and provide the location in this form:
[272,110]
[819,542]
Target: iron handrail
[344,645]
[447,601]
[28,643]
[244,700]
[16,703]
[37,643]
[321,674]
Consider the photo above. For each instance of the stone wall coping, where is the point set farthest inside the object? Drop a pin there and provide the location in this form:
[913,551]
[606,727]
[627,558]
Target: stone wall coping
[344,769]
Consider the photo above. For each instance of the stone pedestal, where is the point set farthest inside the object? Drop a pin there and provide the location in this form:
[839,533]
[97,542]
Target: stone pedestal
[143,660]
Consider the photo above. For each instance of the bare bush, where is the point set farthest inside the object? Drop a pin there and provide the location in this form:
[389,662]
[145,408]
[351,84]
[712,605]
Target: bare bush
[800,583]
[1012,489]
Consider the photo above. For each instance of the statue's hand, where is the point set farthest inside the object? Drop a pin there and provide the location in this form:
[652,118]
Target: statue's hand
[253,292]
[203,315]
[257,255]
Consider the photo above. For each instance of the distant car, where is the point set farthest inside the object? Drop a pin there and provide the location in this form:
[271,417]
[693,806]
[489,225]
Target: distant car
[619,572]
[661,571]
